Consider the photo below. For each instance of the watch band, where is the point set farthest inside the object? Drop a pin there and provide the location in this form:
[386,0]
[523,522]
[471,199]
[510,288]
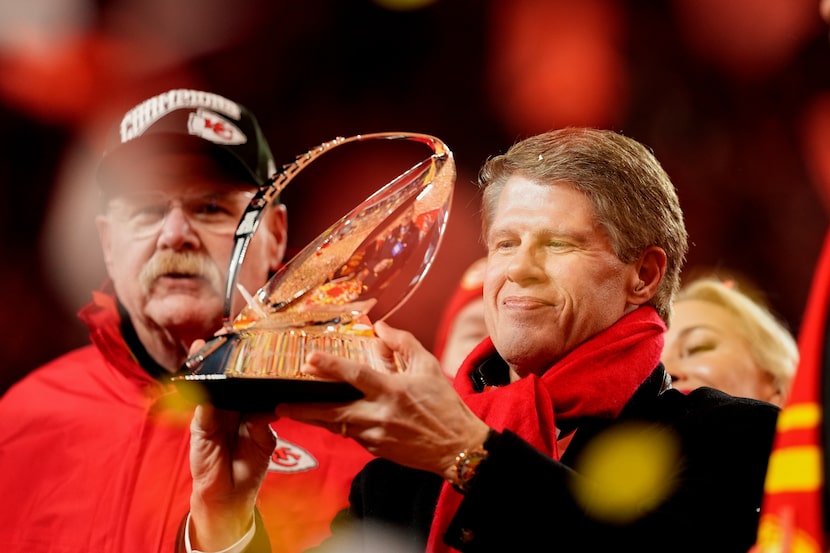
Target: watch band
[467,464]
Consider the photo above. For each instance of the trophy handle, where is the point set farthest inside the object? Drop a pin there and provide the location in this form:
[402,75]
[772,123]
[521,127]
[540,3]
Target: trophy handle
[249,221]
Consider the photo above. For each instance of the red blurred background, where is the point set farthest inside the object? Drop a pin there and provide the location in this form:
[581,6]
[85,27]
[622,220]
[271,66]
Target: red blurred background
[733,97]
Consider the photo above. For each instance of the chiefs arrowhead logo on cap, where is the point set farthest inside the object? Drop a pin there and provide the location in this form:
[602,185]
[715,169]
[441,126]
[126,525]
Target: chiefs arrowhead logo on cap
[213,127]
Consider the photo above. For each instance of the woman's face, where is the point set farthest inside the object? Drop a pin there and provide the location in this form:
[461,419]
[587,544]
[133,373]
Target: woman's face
[705,346]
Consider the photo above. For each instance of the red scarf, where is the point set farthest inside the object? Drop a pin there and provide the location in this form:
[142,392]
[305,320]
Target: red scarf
[596,379]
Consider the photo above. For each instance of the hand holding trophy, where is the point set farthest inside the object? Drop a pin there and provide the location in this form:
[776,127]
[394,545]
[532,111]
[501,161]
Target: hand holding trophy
[322,299]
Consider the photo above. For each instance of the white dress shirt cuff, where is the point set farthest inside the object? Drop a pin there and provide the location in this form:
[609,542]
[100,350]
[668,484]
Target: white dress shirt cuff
[238,547]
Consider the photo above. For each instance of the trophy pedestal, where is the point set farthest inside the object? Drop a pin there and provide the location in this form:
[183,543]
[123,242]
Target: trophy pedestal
[255,370]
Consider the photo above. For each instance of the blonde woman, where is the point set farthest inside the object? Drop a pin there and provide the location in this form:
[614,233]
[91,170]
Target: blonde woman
[721,337]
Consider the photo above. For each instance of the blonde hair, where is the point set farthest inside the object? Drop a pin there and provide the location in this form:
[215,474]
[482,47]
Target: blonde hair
[772,345]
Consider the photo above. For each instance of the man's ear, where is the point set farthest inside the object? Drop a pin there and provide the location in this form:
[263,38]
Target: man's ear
[277,223]
[102,222]
[650,270]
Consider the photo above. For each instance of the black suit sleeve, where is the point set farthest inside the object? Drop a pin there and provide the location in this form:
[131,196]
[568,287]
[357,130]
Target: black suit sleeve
[523,500]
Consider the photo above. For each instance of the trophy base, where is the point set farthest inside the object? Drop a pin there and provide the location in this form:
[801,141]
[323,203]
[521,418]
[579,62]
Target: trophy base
[256,371]
[260,395]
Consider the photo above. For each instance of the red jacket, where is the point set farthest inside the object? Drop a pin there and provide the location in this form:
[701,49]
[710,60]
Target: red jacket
[94,458]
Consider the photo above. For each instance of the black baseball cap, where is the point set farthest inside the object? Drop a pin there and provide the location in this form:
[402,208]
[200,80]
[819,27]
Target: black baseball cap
[193,120]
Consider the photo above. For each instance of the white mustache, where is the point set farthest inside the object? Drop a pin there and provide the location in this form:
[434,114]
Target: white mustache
[192,264]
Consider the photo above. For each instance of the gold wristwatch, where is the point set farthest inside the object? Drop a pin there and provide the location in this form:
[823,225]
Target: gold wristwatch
[466,466]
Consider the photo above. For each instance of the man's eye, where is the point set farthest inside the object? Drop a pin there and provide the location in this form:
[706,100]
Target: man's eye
[149,211]
[505,244]
[212,207]
[207,207]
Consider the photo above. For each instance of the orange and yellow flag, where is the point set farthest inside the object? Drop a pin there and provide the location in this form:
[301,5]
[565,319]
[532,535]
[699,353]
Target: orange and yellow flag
[793,509]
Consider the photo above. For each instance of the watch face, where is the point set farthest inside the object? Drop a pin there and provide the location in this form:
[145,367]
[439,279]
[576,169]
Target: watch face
[466,466]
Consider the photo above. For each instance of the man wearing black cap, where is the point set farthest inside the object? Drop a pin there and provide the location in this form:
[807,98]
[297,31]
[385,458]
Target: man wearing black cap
[94,446]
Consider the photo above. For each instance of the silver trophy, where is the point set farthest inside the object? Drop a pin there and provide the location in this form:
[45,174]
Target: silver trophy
[359,270]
